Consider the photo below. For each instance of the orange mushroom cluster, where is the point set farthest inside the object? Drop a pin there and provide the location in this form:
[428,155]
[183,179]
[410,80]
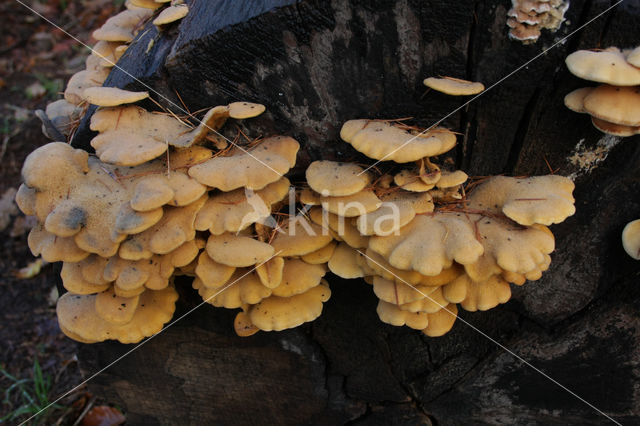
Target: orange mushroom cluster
[614,106]
[128,220]
[162,197]
[423,242]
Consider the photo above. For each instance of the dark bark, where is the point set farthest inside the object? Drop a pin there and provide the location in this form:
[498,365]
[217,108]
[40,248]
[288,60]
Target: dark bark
[316,64]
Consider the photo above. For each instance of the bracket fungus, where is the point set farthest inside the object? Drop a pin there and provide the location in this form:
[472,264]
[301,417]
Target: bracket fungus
[164,197]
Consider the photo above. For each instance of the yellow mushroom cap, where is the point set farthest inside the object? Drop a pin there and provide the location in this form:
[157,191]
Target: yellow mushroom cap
[253,169]
[575,100]
[332,178]
[211,273]
[115,309]
[430,244]
[244,287]
[298,277]
[442,321]
[353,205]
[382,141]
[631,239]
[605,66]
[430,304]
[614,129]
[238,250]
[243,110]
[271,272]
[619,105]
[454,86]
[112,96]
[280,313]
[477,296]
[243,326]
[344,262]
[400,293]
[538,199]
[391,314]
[53,248]
[451,179]
[78,318]
[74,281]
[171,14]
[322,255]
[299,237]
[121,27]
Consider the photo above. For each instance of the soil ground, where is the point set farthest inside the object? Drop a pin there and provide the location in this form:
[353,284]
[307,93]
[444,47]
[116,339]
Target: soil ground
[36,60]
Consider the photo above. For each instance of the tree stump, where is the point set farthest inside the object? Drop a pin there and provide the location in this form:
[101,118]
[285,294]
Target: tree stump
[316,64]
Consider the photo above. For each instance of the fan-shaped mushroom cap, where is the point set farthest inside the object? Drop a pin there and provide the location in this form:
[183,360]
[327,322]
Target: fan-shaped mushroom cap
[575,100]
[235,210]
[298,277]
[381,140]
[381,267]
[509,247]
[442,321]
[211,273]
[78,318]
[322,255]
[391,314]
[244,287]
[271,272]
[344,227]
[112,96]
[451,179]
[171,14]
[74,281]
[253,169]
[614,129]
[115,309]
[430,304]
[353,205]
[620,105]
[538,199]
[176,227]
[298,237]
[77,197]
[238,250]
[604,66]
[83,80]
[398,209]
[279,313]
[477,296]
[400,293]
[130,135]
[336,179]
[243,326]
[105,52]
[454,86]
[121,27]
[53,248]
[430,244]
[631,239]
[344,262]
